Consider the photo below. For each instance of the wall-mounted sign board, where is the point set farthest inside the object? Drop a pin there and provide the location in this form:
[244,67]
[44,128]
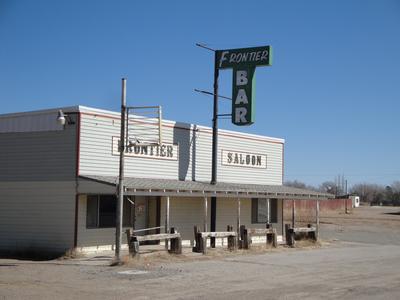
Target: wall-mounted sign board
[243,159]
[163,151]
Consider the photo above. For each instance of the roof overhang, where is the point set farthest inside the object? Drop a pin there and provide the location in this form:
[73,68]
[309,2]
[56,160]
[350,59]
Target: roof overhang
[169,187]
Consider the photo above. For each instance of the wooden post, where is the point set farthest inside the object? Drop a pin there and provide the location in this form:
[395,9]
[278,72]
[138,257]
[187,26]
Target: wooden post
[238,219]
[293,212]
[317,221]
[203,244]
[268,212]
[246,238]
[134,246]
[282,219]
[275,241]
[241,237]
[196,240]
[268,236]
[200,245]
[287,235]
[176,243]
[230,246]
[231,239]
[205,215]
[166,220]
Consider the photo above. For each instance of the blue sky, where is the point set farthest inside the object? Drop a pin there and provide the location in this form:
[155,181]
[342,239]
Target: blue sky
[332,92]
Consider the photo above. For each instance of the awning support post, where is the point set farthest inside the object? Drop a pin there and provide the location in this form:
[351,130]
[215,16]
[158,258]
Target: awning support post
[317,221]
[293,212]
[166,220]
[282,218]
[238,218]
[205,214]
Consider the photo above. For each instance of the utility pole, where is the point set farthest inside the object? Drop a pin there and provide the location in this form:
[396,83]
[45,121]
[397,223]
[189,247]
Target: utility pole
[120,199]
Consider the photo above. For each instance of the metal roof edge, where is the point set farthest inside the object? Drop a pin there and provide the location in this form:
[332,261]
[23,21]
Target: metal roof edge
[41,111]
[291,193]
[190,126]
[88,109]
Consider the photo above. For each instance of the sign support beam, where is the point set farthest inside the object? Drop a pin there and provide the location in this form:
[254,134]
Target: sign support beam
[118,220]
[166,220]
[214,149]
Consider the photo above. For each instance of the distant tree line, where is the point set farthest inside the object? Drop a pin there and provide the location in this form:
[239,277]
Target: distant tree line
[370,193]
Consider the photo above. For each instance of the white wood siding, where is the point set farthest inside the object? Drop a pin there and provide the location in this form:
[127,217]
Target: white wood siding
[30,122]
[194,159]
[94,239]
[184,214]
[38,155]
[37,216]
[227,214]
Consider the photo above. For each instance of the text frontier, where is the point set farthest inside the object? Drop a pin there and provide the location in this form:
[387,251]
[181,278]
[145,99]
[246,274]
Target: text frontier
[243,57]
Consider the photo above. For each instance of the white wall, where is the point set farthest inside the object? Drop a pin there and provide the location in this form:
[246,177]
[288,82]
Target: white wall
[185,213]
[95,239]
[227,214]
[36,216]
[194,157]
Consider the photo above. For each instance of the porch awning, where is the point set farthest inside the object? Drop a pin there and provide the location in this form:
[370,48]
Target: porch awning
[169,187]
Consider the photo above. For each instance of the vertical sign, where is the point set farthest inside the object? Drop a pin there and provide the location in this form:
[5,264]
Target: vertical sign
[244,62]
[243,96]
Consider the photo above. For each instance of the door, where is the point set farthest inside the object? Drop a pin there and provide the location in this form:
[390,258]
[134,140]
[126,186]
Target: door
[141,213]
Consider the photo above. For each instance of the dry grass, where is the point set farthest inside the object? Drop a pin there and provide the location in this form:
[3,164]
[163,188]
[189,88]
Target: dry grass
[150,259]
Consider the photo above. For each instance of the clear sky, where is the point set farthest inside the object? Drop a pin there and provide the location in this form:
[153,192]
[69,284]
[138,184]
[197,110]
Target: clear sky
[333,91]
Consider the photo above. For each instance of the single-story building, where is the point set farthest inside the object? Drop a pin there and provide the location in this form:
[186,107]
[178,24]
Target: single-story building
[58,183]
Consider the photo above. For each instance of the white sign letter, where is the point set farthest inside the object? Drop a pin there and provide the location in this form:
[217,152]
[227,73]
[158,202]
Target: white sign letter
[223,58]
[241,78]
[241,97]
[240,115]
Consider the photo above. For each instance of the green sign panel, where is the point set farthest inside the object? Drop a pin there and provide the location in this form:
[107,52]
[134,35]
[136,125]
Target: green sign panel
[243,95]
[243,62]
[258,56]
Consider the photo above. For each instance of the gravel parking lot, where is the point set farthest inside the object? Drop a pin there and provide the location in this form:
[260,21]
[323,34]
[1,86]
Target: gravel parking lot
[359,259]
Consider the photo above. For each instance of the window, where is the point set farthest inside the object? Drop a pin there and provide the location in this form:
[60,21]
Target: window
[259,210]
[101,211]
[92,211]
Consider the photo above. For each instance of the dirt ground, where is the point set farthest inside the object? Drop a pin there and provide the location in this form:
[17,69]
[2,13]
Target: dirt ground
[358,258]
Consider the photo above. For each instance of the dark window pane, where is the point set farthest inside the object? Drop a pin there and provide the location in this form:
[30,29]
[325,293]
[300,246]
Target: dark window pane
[274,210]
[259,212]
[107,211]
[254,204]
[91,211]
[262,212]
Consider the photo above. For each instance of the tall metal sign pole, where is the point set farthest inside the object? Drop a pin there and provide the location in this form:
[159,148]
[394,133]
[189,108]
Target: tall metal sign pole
[215,123]
[118,220]
[214,149]
[243,62]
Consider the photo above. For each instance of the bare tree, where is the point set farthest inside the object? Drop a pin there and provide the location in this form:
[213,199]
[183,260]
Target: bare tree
[328,187]
[300,185]
[395,193]
[296,184]
[369,192]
